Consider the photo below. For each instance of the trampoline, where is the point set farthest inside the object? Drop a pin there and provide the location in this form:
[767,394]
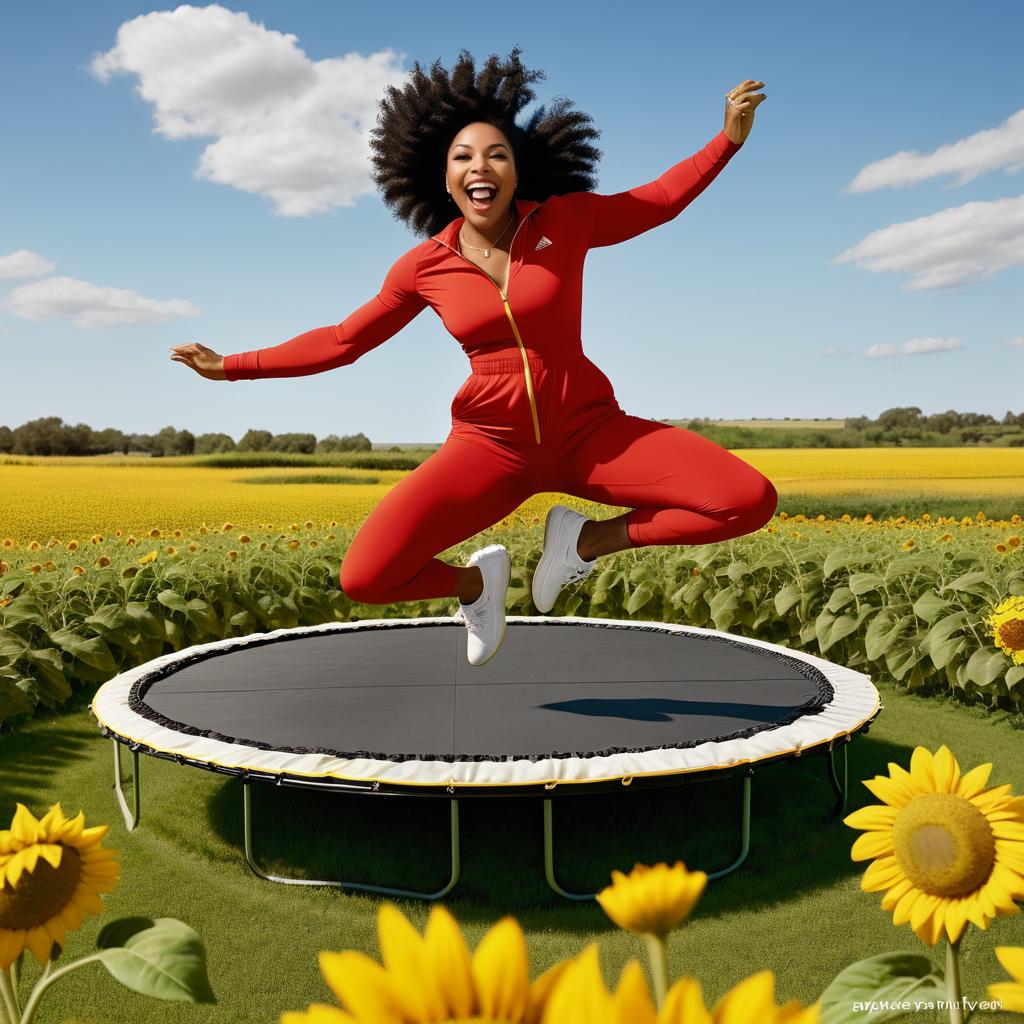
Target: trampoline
[569,705]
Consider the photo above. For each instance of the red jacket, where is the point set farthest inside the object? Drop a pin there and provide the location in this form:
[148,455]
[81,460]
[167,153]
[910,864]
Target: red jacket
[535,318]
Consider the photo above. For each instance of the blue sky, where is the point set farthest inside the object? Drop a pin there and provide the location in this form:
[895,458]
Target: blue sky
[863,250]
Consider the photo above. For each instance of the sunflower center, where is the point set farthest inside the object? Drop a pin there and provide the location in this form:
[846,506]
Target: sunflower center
[1011,634]
[944,844]
[41,894]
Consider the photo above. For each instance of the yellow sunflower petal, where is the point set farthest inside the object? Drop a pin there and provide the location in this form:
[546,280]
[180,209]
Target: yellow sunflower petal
[753,999]
[923,909]
[922,769]
[1009,995]
[401,949]
[974,781]
[947,771]
[872,844]
[1007,830]
[447,959]
[39,943]
[888,792]
[1012,960]
[956,919]
[11,945]
[53,820]
[631,1000]
[893,896]
[501,971]
[905,905]
[874,817]
[24,826]
[881,874]
[579,996]
[361,985]
[541,990]
[684,1004]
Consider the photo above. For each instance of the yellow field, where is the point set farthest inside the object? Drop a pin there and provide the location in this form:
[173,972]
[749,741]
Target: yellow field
[74,498]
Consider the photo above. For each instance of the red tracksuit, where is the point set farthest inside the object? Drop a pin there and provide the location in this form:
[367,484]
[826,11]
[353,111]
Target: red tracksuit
[535,415]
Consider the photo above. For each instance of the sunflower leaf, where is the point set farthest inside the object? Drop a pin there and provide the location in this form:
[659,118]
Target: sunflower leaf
[162,957]
[873,990]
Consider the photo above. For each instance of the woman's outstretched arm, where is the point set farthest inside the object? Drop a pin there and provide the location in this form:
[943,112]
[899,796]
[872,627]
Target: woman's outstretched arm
[323,348]
[616,218]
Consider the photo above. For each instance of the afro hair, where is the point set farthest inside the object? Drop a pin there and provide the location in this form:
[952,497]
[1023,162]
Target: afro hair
[554,150]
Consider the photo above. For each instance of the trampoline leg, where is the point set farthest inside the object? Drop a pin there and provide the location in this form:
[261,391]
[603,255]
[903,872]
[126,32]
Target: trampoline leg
[549,860]
[745,834]
[130,819]
[364,887]
[549,848]
[842,791]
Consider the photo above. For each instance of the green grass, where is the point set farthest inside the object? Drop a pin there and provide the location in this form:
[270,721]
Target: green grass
[894,504]
[794,907]
[317,478]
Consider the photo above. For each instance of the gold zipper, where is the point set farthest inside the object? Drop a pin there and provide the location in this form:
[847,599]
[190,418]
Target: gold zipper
[503,292]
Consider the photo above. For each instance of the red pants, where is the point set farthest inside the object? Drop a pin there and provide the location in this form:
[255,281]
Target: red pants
[682,488]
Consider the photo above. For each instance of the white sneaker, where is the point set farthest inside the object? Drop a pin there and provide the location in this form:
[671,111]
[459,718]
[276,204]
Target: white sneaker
[485,617]
[560,562]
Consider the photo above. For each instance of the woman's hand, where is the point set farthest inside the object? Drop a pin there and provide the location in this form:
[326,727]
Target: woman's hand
[203,360]
[740,104]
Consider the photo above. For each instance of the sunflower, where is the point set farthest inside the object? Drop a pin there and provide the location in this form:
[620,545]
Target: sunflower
[51,874]
[1006,626]
[944,849]
[433,977]
[579,997]
[652,900]
[1010,993]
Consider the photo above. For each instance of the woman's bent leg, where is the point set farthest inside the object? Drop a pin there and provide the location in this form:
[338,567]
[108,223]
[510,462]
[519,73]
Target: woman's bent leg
[681,487]
[460,490]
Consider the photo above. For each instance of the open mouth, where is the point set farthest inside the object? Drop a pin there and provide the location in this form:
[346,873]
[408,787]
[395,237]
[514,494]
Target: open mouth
[482,197]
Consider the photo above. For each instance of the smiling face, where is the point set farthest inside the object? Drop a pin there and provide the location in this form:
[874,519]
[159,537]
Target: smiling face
[481,173]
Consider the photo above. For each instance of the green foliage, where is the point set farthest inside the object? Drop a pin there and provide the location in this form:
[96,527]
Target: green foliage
[917,617]
[163,958]
[876,989]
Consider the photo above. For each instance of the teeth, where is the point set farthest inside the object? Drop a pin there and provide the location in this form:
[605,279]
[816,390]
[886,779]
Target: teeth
[487,189]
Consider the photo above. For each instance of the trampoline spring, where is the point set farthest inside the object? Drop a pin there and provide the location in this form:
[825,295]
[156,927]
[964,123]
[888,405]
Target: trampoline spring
[134,747]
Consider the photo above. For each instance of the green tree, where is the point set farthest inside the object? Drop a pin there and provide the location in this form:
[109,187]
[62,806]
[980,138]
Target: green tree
[255,441]
[210,444]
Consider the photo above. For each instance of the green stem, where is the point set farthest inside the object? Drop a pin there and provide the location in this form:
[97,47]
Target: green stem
[657,950]
[14,985]
[47,980]
[8,1006]
[956,1012]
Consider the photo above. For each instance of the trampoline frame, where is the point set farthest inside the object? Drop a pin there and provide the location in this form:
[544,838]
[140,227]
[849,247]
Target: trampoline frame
[132,815]
[439,790]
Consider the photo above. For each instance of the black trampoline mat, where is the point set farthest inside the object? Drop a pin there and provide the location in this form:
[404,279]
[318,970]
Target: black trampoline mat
[407,691]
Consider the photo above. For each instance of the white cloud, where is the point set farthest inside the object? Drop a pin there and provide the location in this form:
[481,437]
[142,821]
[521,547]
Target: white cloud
[967,158]
[24,263]
[92,305]
[959,244]
[1016,342]
[286,127]
[914,347]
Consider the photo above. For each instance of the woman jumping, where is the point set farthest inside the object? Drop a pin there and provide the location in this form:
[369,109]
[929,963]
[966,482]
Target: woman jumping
[535,415]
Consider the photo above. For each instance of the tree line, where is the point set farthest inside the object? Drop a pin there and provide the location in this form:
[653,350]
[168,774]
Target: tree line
[903,425]
[51,436]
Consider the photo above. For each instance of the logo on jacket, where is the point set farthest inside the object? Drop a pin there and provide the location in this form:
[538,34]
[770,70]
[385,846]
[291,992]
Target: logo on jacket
[543,243]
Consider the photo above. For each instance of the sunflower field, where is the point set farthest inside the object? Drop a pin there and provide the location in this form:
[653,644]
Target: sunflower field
[928,603]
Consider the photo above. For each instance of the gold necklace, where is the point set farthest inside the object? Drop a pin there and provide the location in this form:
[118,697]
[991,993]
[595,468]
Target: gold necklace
[487,251]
